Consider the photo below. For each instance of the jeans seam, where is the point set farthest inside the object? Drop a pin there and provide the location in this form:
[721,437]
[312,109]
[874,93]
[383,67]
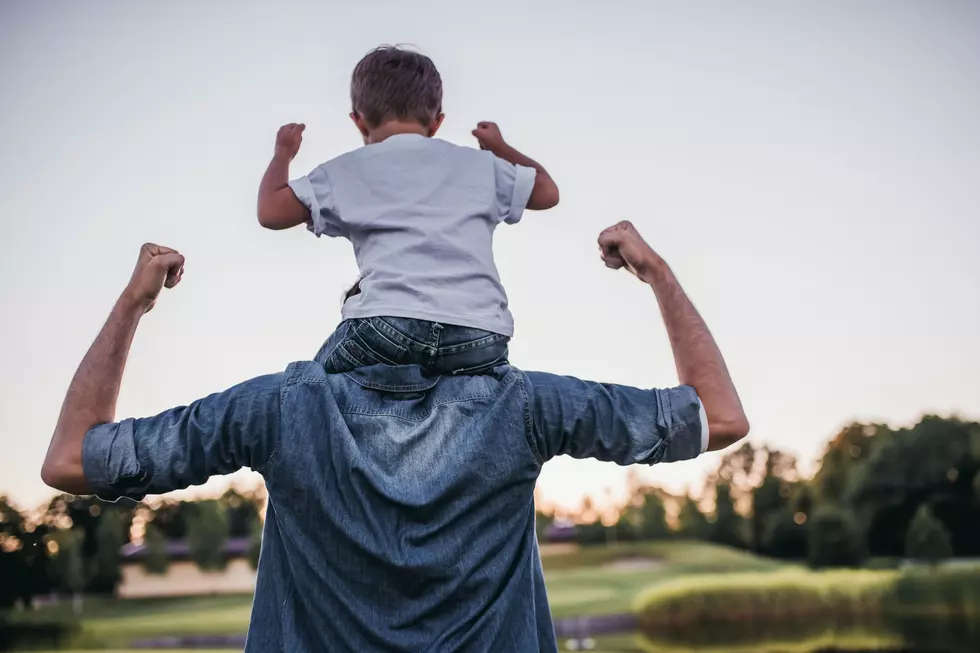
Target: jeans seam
[397,337]
[485,341]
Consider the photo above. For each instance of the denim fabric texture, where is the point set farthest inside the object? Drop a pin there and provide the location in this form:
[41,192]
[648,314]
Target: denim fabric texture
[436,348]
[401,512]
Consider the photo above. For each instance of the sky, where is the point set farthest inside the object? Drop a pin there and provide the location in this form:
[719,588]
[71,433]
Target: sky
[810,170]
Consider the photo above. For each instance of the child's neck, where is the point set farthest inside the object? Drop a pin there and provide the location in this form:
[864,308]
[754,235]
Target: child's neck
[393,127]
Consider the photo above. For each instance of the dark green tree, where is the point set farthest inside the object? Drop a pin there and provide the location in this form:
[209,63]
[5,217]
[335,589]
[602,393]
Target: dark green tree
[833,539]
[69,566]
[652,517]
[207,532]
[255,544]
[843,461]
[110,536]
[927,539]
[156,560]
[771,499]
[933,462]
[243,512]
[542,524]
[727,527]
[691,522]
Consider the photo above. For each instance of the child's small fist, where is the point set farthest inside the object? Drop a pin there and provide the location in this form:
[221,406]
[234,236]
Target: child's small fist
[488,135]
[289,138]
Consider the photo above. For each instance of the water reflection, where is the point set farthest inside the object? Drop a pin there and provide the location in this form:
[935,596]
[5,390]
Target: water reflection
[908,634]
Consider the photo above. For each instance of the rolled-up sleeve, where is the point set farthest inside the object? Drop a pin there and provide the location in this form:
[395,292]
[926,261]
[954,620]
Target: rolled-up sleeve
[185,446]
[614,423]
[514,185]
[316,193]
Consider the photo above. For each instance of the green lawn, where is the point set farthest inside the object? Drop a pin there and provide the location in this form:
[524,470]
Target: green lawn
[588,581]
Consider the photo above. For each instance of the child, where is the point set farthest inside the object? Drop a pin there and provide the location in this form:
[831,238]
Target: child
[420,213]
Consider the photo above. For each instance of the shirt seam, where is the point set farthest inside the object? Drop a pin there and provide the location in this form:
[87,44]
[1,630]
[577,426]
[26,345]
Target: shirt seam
[529,421]
[271,462]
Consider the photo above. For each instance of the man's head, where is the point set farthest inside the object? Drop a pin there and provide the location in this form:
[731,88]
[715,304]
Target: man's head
[395,90]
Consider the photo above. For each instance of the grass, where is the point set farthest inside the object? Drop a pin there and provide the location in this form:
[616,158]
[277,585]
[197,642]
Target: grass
[580,582]
[585,582]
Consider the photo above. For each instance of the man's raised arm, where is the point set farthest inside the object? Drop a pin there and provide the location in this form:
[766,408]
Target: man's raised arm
[698,359]
[219,434]
[91,397]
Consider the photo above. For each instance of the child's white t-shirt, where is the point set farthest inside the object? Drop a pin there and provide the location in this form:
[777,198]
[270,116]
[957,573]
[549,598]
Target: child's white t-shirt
[420,213]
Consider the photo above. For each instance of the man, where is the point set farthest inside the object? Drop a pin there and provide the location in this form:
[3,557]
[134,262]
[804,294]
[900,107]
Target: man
[400,509]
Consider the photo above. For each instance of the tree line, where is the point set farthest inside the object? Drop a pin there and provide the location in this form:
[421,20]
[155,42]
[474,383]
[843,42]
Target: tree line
[72,545]
[879,495]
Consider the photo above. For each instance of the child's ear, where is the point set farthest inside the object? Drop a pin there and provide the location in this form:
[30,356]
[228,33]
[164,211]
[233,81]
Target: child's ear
[360,123]
[436,124]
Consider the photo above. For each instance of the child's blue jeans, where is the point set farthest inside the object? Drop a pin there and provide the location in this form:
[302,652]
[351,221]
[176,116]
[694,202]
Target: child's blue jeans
[437,348]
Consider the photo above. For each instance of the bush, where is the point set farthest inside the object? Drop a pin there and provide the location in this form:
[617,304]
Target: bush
[927,538]
[833,539]
[794,594]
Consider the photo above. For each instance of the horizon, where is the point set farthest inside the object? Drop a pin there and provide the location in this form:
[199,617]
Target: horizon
[811,174]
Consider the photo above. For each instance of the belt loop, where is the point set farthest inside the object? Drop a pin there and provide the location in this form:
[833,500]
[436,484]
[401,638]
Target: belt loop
[436,335]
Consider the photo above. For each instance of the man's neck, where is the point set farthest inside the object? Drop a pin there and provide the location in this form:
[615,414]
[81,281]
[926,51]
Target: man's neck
[394,127]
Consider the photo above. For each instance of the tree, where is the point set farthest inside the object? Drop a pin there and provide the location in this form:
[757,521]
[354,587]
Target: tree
[785,535]
[927,539]
[542,524]
[207,532]
[771,499]
[652,517]
[691,522]
[833,539]
[255,544]
[934,462]
[843,459]
[69,566]
[172,518]
[728,524]
[110,536]
[243,512]
[156,561]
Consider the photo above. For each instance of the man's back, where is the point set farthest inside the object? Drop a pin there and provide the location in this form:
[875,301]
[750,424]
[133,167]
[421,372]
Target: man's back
[400,516]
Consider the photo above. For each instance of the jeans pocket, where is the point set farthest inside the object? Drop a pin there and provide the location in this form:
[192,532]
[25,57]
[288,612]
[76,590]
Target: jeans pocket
[376,346]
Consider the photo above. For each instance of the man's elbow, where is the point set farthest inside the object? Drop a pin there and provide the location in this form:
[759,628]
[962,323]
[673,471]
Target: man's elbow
[268,219]
[54,475]
[64,475]
[725,433]
[544,196]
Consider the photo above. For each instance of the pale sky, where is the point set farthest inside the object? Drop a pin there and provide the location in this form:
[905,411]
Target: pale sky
[811,171]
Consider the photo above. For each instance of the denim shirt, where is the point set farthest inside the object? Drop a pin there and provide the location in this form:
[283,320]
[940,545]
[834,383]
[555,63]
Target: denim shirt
[401,513]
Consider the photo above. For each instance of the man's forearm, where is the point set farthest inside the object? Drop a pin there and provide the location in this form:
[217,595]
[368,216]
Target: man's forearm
[91,397]
[697,357]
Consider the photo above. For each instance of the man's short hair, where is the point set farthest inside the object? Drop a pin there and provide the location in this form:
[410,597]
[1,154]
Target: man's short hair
[393,83]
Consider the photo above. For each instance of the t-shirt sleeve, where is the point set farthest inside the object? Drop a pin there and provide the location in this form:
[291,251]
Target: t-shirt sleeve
[316,192]
[514,185]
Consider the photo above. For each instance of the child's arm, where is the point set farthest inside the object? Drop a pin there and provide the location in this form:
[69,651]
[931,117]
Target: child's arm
[545,193]
[278,206]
